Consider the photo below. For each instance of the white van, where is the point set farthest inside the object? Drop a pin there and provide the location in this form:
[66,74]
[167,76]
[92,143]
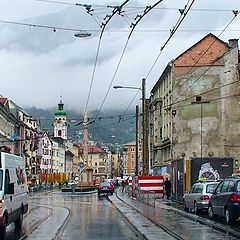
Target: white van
[13,191]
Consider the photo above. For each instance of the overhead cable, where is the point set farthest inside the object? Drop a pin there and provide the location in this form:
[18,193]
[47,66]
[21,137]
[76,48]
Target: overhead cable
[206,50]
[183,13]
[117,9]
[133,25]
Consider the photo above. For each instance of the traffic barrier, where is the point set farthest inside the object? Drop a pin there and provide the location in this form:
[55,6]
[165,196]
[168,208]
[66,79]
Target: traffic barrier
[153,184]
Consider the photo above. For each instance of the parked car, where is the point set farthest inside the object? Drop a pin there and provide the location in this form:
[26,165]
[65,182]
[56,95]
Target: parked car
[225,200]
[105,187]
[198,197]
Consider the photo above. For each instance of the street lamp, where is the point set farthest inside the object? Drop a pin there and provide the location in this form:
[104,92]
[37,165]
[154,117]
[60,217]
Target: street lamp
[82,34]
[144,155]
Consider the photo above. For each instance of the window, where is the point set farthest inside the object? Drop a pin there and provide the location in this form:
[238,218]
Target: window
[238,186]
[211,187]
[193,188]
[7,180]
[198,188]
[59,132]
[224,187]
[219,187]
[230,186]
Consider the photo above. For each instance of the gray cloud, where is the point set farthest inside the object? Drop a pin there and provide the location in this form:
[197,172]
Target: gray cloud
[39,64]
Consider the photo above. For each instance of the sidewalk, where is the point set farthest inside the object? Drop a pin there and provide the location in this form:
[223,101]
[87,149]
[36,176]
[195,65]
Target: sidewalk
[49,230]
[147,229]
[163,221]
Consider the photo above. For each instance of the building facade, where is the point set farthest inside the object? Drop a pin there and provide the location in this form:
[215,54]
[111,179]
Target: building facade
[195,105]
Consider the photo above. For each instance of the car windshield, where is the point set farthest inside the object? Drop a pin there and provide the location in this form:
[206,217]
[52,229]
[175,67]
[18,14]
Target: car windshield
[211,187]
[105,184]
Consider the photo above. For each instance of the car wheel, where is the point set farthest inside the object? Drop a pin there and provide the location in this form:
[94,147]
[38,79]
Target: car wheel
[229,217]
[18,222]
[3,229]
[185,207]
[195,208]
[210,212]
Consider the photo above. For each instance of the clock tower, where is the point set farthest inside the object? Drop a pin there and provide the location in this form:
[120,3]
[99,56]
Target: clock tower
[60,121]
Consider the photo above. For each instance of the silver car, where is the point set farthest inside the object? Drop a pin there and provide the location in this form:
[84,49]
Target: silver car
[199,195]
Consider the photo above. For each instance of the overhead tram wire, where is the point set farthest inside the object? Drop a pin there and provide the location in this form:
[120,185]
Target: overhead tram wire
[108,17]
[183,13]
[133,25]
[134,7]
[109,30]
[179,21]
[186,75]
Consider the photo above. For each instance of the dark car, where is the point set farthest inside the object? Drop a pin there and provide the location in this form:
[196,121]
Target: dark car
[225,200]
[105,187]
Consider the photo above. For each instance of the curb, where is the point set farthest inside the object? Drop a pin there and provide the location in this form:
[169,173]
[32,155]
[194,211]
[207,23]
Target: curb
[218,226]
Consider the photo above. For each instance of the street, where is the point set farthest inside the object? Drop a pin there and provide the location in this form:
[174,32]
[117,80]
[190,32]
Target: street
[90,217]
[57,215]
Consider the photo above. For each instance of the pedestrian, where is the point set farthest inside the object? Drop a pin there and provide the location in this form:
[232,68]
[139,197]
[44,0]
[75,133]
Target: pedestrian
[123,185]
[167,186]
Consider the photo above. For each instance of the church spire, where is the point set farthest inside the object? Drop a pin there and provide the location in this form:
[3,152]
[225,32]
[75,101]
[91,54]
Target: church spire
[60,121]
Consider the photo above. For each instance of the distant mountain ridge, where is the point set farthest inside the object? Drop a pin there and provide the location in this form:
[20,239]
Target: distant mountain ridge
[110,128]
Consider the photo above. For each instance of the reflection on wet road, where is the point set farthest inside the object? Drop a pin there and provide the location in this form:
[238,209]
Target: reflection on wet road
[91,217]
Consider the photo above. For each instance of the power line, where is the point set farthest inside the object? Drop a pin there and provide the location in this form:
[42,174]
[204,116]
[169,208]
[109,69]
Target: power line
[117,9]
[184,78]
[179,21]
[136,7]
[133,25]
[109,30]
[183,13]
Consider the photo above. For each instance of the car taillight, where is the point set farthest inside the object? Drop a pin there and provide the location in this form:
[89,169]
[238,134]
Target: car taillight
[204,197]
[235,198]
[110,186]
[100,187]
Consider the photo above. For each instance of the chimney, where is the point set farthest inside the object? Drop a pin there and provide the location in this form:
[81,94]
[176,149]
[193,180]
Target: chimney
[233,43]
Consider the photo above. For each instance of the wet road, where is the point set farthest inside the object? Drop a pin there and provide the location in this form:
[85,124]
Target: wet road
[90,217]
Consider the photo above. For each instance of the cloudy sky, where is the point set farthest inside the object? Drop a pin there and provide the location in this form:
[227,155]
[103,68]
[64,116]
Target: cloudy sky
[38,64]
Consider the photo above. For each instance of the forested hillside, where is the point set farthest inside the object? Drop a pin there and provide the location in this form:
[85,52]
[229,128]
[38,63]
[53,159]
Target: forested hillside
[109,127]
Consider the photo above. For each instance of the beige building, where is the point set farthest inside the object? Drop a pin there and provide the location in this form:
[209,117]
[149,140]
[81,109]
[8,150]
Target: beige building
[115,165]
[97,160]
[195,105]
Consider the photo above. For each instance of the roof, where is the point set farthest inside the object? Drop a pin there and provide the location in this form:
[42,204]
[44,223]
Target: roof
[93,149]
[210,35]
[133,143]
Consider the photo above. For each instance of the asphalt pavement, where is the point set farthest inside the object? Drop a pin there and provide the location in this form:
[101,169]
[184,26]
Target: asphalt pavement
[162,221]
[159,221]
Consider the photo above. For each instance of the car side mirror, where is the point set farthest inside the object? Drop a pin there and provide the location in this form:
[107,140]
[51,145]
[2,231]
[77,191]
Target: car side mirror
[10,189]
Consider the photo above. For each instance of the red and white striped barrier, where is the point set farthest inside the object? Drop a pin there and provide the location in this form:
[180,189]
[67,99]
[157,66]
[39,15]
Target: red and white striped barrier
[151,183]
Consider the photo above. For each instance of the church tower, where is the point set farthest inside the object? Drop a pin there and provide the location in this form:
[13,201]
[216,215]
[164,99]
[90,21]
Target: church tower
[60,121]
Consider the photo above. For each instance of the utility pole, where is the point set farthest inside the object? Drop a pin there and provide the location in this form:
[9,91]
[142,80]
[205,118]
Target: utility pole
[144,149]
[85,139]
[136,152]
